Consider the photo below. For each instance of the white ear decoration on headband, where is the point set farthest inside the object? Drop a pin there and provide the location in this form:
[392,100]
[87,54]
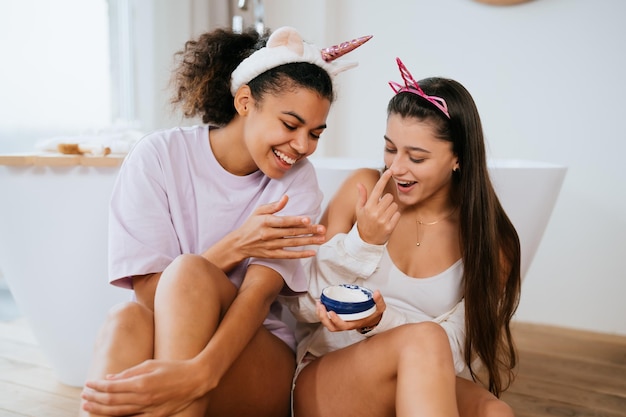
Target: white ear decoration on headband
[285,46]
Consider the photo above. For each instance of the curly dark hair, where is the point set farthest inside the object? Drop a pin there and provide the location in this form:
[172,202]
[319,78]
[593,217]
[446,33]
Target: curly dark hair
[202,75]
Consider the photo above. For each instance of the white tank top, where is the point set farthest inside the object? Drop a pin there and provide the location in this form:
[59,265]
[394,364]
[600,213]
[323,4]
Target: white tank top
[433,295]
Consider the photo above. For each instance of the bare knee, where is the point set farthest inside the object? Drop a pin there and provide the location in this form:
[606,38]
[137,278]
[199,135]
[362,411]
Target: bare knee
[192,263]
[478,402]
[126,321]
[475,401]
[424,336]
[194,278]
[494,407]
[130,315]
[125,339]
[425,344]
[191,271]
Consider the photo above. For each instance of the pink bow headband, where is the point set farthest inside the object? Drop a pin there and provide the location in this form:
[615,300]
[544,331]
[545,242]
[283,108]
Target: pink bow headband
[411,86]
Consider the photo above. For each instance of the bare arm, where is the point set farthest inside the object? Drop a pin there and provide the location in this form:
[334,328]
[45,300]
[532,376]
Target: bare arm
[263,235]
[360,198]
[340,214]
[243,319]
[351,252]
[170,385]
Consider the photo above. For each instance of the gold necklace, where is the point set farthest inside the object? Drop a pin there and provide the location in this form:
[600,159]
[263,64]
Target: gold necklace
[419,223]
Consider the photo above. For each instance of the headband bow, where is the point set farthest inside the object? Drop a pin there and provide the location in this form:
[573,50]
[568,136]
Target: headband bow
[411,86]
[284,46]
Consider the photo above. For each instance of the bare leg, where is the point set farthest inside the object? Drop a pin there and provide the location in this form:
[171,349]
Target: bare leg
[126,339]
[191,299]
[406,371]
[476,401]
[259,383]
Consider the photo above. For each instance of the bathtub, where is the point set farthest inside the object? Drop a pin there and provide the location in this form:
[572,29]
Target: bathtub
[53,244]
[527,190]
[53,253]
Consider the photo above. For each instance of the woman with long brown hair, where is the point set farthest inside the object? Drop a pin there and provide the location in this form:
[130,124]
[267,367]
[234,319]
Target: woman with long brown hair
[428,233]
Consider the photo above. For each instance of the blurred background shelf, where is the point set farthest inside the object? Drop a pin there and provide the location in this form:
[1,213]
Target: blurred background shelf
[57,159]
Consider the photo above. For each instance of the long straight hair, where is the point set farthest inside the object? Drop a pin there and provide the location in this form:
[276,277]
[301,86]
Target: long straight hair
[489,242]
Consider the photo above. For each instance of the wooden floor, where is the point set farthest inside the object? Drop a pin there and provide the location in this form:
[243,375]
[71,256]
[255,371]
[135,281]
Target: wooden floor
[565,372]
[562,373]
[27,384]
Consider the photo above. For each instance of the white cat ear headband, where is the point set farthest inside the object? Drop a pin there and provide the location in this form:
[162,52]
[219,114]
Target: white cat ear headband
[285,46]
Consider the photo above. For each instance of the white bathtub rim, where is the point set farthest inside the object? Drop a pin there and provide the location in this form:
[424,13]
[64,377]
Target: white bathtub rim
[339,162]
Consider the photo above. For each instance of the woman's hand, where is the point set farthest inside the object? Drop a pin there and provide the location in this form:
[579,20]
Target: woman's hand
[376,215]
[266,235]
[152,388]
[332,322]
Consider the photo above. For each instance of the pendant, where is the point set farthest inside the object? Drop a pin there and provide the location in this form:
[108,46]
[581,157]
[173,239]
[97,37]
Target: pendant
[417,243]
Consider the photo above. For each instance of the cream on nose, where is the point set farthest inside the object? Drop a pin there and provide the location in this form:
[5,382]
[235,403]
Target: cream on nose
[396,167]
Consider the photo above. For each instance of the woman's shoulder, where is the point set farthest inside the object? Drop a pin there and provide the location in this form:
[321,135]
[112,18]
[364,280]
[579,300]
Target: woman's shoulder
[175,135]
[340,214]
[366,176]
[168,142]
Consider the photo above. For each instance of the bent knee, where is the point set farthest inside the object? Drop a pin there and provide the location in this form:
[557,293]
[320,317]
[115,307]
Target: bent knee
[189,259]
[494,407]
[425,333]
[423,340]
[192,277]
[190,269]
[126,321]
[130,318]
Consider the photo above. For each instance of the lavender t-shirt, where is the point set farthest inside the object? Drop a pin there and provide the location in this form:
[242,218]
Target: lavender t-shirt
[172,197]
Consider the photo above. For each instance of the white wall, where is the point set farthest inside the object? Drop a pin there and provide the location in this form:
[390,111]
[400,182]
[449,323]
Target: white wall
[161,28]
[548,78]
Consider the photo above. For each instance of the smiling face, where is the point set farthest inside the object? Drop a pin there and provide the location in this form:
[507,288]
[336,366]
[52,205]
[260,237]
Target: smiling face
[283,129]
[420,162]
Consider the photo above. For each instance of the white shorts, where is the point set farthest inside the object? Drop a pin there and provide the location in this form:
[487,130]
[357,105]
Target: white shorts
[308,358]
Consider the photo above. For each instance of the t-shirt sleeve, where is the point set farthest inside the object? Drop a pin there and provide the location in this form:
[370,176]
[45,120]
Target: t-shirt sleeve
[305,198]
[142,239]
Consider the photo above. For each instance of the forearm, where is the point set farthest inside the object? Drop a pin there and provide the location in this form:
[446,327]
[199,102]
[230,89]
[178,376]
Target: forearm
[224,254]
[240,324]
